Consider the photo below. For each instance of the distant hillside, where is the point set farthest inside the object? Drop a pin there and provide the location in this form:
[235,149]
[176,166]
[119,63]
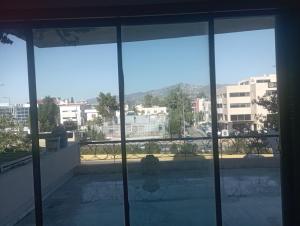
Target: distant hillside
[191,90]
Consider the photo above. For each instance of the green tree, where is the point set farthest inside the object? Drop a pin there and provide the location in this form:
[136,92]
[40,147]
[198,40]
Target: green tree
[107,105]
[200,116]
[180,112]
[201,95]
[256,144]
[11,136]
[156,101]
[48,113]
[93,129]
[270,103]
[175,125]
[70,125]
[152,148]
[174,148]
[148,99]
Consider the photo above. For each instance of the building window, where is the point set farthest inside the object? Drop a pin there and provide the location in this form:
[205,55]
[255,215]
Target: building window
[240,94]
[219,105]
[270,92]
[272,84]
[263,81]
[245,83]
[246,117]
[240,105]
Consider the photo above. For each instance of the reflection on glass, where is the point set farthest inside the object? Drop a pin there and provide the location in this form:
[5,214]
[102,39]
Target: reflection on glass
[77,88]
[167,95]
[247,106]
[16,180]
[171,183]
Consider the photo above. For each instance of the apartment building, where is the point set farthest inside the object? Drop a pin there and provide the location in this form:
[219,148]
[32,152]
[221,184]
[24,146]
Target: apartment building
[202,105]
[236,105]
[91,114]
[19,112]
[71,112]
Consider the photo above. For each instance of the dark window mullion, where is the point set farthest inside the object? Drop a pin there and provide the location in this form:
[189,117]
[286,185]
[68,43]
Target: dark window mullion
[214,118]
[122,123]
[34,128]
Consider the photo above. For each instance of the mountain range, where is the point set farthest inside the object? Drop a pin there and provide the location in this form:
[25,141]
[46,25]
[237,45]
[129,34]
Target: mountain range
[190,89]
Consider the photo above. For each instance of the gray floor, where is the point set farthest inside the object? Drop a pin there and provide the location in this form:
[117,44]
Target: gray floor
[249,197]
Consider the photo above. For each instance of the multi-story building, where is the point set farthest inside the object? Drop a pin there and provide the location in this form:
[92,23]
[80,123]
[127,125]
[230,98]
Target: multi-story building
[19,112]
[91,114]
[71,112]
[202,105]
[236,104]
[6,109]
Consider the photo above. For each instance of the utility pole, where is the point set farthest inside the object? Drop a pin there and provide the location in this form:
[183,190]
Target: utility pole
[183,118]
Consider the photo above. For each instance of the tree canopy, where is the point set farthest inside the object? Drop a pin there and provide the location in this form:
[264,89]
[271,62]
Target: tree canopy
[107,105]
[11,136]
[270,103]
[48,113]
[150,100]
[70,125]
[180,112]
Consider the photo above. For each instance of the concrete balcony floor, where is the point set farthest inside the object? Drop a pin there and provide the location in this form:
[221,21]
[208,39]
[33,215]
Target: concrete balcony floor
[249,197]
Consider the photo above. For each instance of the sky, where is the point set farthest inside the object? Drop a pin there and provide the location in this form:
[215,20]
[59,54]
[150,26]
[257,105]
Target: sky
[83,71]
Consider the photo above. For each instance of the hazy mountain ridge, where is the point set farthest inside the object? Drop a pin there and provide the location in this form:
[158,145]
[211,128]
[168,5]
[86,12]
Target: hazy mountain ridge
[190,89]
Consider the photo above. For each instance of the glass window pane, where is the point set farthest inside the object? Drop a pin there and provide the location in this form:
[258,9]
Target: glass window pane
[247,94]
[16,180]
[77,89]
[167,95]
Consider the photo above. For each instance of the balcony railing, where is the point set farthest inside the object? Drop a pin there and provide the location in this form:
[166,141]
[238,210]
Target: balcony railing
[241,147]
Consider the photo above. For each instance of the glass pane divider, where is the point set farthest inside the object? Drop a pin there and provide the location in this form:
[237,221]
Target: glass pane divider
[34,128]
[212,71]
[122,125]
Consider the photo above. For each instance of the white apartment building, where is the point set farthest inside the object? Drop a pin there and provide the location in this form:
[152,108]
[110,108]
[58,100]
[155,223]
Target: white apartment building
[91,114]
[203,105]
[236,103]
[19,112]
[70,112]
[154,110]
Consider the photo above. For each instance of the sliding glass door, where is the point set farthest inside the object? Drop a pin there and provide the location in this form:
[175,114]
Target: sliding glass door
[134,118]
[168,124]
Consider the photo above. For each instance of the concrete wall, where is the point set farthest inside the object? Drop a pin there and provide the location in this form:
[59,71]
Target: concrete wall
[16,185]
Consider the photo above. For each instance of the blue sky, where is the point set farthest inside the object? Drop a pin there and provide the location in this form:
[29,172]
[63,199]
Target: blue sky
[83,71]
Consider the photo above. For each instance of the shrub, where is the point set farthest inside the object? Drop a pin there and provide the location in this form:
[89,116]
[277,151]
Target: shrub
[152,148]
[174,148]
